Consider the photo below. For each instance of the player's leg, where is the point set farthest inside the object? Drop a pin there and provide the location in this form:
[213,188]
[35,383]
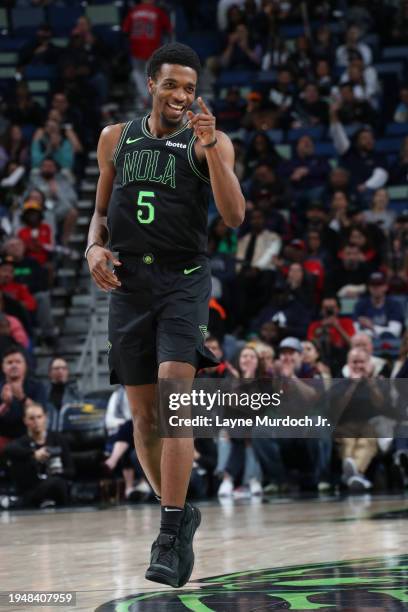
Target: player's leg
[177,453]
[172,557]
[142,401]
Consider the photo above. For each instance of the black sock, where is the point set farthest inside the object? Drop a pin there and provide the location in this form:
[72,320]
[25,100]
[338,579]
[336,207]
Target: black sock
[170,519]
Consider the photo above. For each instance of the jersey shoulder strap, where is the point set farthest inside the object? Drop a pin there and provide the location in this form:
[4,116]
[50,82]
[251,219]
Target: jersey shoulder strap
[131,131]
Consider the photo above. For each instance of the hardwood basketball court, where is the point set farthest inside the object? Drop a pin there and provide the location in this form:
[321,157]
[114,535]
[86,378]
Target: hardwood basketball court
[250,556]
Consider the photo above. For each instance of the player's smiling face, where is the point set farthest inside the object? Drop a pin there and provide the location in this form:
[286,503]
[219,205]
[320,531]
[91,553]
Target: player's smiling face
[173,91]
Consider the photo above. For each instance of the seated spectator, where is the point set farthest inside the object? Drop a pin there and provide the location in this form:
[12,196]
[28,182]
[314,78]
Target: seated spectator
[6,338]
[277,456]
[315,251]
[17,390]
[399,171]
[352,109]
[121,456]
[355,401]
[332,333]
[41,50]
[324,79]
[401,112]
[399,30]
[22,109]
[301,60]
[35,233]
[13,308]
[266,183]
[282,316]
[16,146]
[379,214]
[60,195]
[306,171]
[311,358]
[12,332]
[240,53]
[255,265]
[261,151]
[90,53]
[50,142]
[377,314]
[377,366]
[361,237]
[276,55]
[338,180]
[310,109]
[229,111]
[350,275]
[17,291]
[363,80]
[368,169]
[324,46]
[41,462]
[223,369]
[222,238]
[282,95]
[353,47]
[241,454]
[28,271]
[400,366]
[258,115]
[59,389]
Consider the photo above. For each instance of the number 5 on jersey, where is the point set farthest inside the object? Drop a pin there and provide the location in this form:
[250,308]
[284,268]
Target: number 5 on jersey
[145,214]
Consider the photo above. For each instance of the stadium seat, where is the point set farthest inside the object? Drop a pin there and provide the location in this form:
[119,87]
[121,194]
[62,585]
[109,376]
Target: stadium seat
[395,53]
[398,206]
[275,135]
[398,192]
[396,68]
[396,129]
[388,145]
[291,31]
[267,76]
[7,72]
[284,150]
[26,20]
[325,149]
[8,59]
[228,78]
[205,44]
[347,306]
[3,19]
[63,19]
[39,73]
[39,87]
[317,133]
[103,15]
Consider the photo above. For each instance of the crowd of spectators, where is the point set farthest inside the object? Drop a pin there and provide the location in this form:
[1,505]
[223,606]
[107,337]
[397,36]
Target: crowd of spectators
[311,288]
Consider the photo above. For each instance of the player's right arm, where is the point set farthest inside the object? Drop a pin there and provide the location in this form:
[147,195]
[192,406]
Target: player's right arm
[98,256]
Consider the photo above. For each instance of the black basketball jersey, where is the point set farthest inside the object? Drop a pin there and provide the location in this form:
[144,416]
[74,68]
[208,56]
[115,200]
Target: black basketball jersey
[159,202]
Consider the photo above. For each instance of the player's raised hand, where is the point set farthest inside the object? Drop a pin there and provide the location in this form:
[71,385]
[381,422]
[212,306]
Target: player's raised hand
[98,261]
[203,123]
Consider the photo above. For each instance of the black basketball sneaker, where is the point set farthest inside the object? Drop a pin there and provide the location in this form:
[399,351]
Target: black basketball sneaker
[189,524]
[165,560]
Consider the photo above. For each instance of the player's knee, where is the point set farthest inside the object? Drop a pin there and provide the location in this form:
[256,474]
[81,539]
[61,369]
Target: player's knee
[145,424]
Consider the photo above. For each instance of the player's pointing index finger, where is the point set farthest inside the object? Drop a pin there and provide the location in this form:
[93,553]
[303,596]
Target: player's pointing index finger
[203,106]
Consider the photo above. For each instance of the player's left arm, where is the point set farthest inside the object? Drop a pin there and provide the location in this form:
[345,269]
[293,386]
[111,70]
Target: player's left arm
[220,160]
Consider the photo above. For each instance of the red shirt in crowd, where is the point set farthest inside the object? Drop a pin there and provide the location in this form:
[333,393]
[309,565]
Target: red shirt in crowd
[35,240]
[21,293]
[146,24]
[336,340]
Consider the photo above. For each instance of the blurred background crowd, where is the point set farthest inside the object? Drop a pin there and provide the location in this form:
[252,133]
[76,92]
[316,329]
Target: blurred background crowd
[313,285]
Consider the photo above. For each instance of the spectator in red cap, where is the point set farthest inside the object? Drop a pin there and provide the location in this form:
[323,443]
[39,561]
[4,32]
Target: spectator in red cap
[35,233]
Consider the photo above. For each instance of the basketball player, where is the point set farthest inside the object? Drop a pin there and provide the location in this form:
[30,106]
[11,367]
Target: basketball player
[151,204]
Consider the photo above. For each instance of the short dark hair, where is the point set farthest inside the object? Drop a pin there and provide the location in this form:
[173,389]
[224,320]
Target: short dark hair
[173,53]
[11,350]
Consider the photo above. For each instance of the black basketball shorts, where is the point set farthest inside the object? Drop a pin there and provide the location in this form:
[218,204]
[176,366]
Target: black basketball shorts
[160,313]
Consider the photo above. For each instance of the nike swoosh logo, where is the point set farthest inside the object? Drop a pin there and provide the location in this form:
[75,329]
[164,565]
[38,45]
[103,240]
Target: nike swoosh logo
[172,510]
[190,270]
[132,140]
